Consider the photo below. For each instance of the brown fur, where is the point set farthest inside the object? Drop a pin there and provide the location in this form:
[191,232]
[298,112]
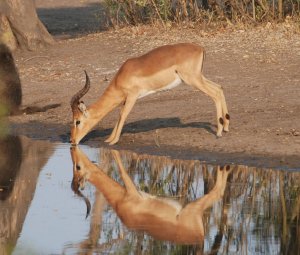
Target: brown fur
[162,218]
[160,69]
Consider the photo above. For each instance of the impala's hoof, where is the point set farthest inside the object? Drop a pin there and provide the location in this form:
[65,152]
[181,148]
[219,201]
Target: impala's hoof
[226,129]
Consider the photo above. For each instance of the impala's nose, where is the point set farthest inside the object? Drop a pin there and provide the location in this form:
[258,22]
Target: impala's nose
[72,142]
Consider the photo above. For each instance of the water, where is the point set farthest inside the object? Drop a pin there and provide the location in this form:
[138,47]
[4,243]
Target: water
[245,210]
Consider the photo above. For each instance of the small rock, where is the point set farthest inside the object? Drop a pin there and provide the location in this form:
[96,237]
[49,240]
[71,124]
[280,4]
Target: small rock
[294,132]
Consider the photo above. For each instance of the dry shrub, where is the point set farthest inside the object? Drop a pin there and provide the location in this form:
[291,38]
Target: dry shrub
[134,12]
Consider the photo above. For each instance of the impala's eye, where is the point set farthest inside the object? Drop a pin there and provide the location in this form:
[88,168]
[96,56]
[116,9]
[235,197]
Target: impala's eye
[78,167]
[77,122]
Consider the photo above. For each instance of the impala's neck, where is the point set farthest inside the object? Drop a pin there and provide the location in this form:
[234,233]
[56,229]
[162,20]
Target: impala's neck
[112,191]
[109,100]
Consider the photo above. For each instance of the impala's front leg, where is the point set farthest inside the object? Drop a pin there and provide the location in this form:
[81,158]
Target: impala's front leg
[129,103]
[113,133]
[129,184]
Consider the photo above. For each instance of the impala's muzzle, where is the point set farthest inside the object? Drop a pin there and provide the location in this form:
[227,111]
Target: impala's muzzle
[72,142]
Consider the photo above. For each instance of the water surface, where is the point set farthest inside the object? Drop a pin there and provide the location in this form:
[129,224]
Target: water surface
[258,212]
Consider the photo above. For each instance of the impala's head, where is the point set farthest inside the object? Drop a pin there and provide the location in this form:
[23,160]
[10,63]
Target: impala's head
[80,168]
[80,126]
[80,174]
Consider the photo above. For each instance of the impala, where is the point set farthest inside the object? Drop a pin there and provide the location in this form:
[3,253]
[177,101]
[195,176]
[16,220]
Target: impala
[162,218]
[160,69]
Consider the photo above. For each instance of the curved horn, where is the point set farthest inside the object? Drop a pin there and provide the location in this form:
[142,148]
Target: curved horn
[75,188]
[75,99]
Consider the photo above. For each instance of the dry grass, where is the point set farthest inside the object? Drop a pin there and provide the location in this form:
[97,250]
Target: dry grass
[167,12]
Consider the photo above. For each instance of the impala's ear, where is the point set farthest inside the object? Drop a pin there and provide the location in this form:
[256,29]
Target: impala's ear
[82,108]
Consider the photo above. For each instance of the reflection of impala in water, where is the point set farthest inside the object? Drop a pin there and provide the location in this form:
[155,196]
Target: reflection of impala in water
[164,219]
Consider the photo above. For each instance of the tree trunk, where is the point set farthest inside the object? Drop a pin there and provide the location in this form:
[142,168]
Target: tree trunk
[205,4]
[21,27]
[280,9]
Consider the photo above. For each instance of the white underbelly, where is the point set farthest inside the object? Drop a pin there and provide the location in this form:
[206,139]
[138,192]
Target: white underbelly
[170,202]
[171,85]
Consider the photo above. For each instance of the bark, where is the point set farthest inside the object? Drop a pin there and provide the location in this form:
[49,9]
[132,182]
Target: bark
[21,161]
[205,4]
[280,9]
[21,27]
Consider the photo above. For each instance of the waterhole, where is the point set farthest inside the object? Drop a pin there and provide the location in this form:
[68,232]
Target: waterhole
[84,200]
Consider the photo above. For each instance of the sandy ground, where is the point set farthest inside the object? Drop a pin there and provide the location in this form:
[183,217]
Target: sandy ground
[258,69]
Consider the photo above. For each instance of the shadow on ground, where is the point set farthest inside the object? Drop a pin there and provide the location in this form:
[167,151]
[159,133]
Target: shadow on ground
[150,125]
[74,21]
[61,133]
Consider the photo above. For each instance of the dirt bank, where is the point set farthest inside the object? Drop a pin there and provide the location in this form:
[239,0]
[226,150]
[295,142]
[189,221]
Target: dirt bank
[258,69]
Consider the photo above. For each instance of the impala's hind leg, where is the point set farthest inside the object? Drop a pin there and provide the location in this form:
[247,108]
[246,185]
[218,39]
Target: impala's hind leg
[225,113]
[215,92]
